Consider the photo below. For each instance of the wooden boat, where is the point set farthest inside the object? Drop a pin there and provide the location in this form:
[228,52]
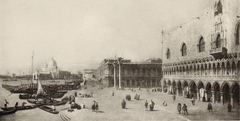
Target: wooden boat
[8,111]
[48,102]
[29,96]
[21,108]
[48,109]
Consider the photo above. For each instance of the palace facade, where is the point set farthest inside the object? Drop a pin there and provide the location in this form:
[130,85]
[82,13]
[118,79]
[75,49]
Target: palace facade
[124,73]
[201,58]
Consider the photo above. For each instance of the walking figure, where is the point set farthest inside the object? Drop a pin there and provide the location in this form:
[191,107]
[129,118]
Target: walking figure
[96,107]
[174,96]
[193,101]
[229,107]
[184,108]
[209,107]
[146,105]
[123,104]
[179,107]
[151,106]
[93,106]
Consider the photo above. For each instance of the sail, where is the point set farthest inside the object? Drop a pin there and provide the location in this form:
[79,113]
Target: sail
[40,89]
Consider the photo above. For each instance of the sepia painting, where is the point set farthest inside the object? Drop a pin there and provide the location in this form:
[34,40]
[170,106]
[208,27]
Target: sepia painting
[119,60]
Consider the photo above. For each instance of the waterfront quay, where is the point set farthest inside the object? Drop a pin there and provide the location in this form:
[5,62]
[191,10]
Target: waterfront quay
[110,107]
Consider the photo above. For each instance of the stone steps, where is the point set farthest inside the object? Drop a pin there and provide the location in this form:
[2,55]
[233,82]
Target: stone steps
[64,117]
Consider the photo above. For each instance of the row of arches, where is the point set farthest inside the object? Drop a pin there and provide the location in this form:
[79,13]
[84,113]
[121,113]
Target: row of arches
[146,83]
[153,71]
[224,92]
[214,67]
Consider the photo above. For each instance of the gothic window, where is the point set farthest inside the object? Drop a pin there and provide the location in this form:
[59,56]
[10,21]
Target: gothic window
[238,34]
[218,8]
[218,42]
[184,50]
[168,53]
[201,45]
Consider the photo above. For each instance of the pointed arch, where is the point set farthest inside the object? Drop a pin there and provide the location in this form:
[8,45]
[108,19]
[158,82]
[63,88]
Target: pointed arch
[184,49]
[200,85]
[216,90]
[235,91]
[201,45]
[218,41]
[225,89]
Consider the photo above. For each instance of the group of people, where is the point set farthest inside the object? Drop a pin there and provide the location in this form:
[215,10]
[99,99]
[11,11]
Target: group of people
[151,105]
[183,108]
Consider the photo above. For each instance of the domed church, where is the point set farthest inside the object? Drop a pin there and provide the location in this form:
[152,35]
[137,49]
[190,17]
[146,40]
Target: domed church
[50,70]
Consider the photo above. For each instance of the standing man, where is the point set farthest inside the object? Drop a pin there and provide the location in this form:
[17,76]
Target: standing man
[6,103]
[146,105]
[184,108]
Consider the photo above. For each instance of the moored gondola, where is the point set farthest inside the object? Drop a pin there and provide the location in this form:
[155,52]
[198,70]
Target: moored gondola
[21,107]
[48,102]
[48,109]
[8,111]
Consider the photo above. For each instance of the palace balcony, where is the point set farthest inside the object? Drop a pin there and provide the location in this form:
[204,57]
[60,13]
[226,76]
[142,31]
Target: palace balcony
[218,53]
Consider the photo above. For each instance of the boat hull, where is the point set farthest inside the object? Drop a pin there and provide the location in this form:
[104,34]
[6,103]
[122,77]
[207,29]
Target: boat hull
[48,109]
[8,111]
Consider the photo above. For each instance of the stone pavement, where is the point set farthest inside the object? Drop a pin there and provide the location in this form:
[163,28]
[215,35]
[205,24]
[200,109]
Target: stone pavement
[110,107]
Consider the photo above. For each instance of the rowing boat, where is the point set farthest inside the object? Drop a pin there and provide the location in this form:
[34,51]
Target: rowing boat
[8,111]
[48,109]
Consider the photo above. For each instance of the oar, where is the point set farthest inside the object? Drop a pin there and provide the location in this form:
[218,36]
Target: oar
[9,94]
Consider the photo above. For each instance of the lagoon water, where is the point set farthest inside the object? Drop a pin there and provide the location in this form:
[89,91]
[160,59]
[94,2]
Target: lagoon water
[24,115]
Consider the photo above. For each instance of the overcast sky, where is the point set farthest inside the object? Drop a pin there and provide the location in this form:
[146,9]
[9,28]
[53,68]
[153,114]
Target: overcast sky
[79,34]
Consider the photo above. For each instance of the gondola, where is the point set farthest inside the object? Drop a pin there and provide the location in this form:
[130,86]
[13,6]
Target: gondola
[8,111]
[21,108]
[29,96]
[48,102]
[48,109]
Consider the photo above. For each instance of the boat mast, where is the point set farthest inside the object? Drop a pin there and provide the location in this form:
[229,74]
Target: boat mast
[32,67]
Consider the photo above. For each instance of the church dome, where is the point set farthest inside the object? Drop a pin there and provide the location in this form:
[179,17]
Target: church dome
[52,63]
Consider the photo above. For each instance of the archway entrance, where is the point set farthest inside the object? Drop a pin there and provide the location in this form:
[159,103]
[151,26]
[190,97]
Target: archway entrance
[179,88]
[138,84]
[174,89]
[208,93]
[128,83]
[153,83]
[200,90]
[133,83]
[185,89]
[169,89]
[111,83]
[164,86]
[235,91]
[148,83]
[226,93]
[216,89]
[193,90]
